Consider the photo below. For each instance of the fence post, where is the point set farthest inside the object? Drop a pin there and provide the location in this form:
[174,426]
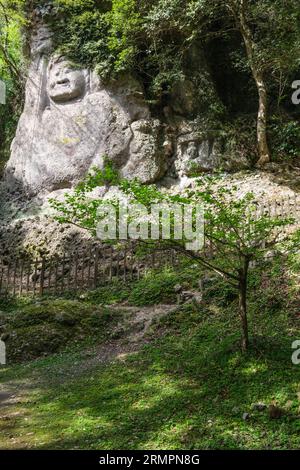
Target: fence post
[50,275]
[42,277]
[63,269]
[118,262]
[8,278]
[69,281]
[96,267]
[125,262]
[1,278]
[28,277]
[131,259]
[89,267]
[76,272]
[15,277]
[111,263]
[21,276]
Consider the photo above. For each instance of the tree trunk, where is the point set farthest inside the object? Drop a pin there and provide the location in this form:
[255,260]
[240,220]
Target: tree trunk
[262,140]
[243,285]
[243,314]
[239,13]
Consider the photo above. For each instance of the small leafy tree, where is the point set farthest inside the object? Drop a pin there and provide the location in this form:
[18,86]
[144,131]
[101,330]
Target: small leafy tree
[269,30]
[238,231]
[12,21]
[154,39]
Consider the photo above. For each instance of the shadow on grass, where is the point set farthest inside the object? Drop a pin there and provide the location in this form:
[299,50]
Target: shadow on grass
[187,390]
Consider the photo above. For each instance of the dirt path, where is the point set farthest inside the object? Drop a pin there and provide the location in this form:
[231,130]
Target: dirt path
[132,335]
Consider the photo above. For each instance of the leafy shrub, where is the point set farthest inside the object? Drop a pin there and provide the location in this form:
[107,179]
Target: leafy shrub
[11,72]
[115,292]
[155,288]
[142,37]
[240,140]
[158,286]
[285,139]
[39,328]
[100,36]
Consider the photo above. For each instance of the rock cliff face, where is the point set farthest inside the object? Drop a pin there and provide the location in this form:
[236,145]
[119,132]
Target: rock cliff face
[71,120]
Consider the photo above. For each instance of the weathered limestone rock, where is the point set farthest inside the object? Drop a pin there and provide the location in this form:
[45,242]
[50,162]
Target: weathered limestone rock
[71,121]
[145,162]
[195,153]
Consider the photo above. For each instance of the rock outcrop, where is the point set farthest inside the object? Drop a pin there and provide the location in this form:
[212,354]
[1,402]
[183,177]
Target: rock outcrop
[71,120]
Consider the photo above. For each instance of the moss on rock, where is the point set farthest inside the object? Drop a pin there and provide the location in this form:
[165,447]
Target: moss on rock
[45,327]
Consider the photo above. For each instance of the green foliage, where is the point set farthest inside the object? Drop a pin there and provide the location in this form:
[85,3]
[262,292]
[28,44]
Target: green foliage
[145,38]
[157,286]
[125,23]
[83,36]
[44,327]
[220,292]
[238,230]
[234,225]
[166,44]
[160,41]
[115,292]
[153,37]
[239,141]
[100,36]
[285,139]
[108,176]
[78,205]
[154,288]
[188,388]
[12,21]
[277,35]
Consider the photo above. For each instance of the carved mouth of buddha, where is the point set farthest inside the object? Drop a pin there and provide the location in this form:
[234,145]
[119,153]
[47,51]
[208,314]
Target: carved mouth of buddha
[64,82]
[61,83]
[64,89]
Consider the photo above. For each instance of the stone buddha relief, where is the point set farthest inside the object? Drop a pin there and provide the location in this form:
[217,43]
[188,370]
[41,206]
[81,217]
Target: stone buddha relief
[65,84]
[71,121]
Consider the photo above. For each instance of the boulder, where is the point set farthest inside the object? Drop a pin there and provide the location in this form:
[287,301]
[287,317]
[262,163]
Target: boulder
[71,121]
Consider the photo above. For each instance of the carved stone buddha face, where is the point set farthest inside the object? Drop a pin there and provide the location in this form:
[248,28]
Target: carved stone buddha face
[64,82]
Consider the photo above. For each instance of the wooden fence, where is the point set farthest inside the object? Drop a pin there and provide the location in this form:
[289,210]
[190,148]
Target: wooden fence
[81,271]
[98,266]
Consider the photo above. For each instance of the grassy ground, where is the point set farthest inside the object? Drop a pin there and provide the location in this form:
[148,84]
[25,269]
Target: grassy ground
[187,388]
